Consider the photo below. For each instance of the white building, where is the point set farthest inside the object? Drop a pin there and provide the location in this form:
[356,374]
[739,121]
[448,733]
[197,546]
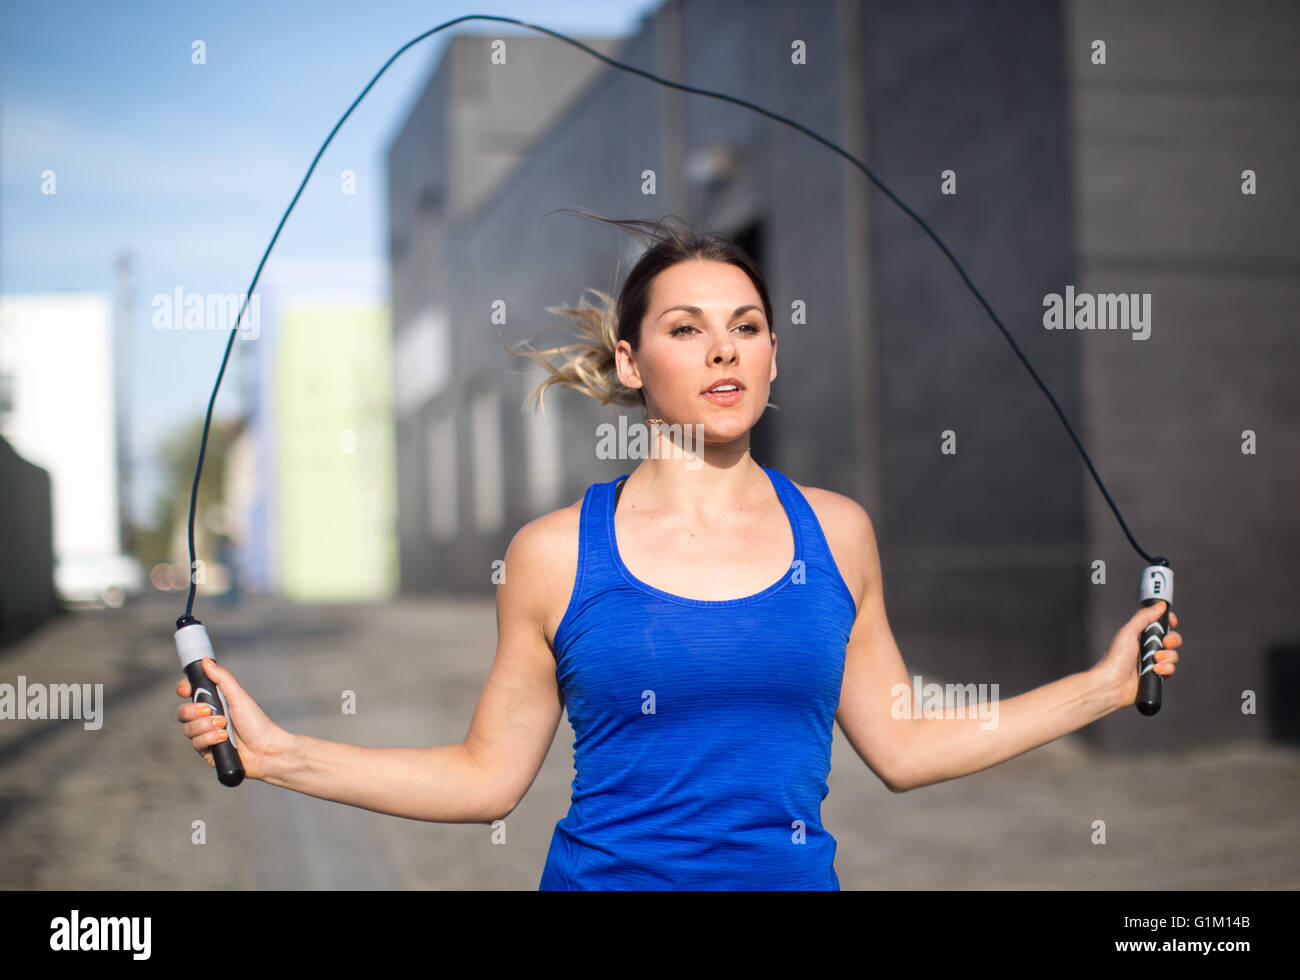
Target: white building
[56,361]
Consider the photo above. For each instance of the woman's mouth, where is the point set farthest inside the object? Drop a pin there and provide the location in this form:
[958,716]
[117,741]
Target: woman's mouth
[725,392]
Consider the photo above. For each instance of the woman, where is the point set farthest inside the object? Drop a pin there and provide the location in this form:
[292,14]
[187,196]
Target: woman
[703,619]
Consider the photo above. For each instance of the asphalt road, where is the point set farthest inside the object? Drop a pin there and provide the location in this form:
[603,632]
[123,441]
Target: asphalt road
[116,808]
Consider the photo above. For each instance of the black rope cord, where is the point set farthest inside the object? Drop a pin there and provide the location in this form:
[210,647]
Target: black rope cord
[198,470]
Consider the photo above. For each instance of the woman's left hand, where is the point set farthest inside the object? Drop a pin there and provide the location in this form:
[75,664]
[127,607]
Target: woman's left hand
[1118,670]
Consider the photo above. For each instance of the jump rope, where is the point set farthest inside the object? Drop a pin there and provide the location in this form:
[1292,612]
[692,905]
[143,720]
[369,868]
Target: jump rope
[191,637]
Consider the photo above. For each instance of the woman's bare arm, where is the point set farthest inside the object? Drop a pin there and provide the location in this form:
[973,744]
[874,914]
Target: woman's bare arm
[478,780]
[520,708]
[906,748]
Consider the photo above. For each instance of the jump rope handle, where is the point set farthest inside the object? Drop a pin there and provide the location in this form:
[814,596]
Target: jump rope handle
[1157,586]
[192,645]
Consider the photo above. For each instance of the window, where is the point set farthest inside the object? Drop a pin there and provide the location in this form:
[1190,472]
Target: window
[489,491]
[442,477]
[542,446]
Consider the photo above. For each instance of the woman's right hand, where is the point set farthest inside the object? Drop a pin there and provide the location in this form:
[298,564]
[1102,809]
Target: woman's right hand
[257,737]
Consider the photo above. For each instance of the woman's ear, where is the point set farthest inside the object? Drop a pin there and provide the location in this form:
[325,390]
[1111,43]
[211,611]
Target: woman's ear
[773,376]
[625,366]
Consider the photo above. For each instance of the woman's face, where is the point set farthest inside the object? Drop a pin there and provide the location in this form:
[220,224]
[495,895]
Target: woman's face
[684,352]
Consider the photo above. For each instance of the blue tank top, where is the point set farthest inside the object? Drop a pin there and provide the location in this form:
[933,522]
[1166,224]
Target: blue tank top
[702,728]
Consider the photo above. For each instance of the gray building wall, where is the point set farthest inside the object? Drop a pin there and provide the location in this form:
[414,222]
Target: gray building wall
[1108,177]
[475,123]
[1192,94]
[981,549]
[27,597]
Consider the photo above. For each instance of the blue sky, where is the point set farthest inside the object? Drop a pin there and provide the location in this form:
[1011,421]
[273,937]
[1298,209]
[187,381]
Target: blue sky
[190,167]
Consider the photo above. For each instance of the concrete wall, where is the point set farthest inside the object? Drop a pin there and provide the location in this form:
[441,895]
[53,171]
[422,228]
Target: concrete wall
[1192,94]
[27,570]
[476,124]
[1117,178]
[981,549]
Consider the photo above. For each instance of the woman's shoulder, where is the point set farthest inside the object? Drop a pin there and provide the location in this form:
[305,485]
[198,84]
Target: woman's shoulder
[543,558]
[546,541]
[835,510]
[849,535]
[552,539]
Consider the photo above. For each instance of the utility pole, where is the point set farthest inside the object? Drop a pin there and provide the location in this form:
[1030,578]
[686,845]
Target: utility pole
[124,317]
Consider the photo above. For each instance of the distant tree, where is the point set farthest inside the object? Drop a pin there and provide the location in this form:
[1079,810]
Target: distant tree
[178,456]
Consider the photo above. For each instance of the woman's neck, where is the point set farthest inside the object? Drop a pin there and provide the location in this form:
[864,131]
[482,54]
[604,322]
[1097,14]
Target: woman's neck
[707,492]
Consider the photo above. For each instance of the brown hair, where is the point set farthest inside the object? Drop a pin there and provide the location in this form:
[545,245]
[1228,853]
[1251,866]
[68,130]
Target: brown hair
[589,366]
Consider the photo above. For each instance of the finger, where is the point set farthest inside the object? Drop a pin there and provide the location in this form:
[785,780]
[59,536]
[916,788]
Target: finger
[189,711]
[1173,639]
[198,726]
[204,726]
[209,739]
[223,677]
[183,687]
[1173,619]
[1147,615]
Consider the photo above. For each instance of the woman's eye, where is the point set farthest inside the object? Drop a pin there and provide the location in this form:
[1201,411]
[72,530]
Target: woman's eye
[749,328]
